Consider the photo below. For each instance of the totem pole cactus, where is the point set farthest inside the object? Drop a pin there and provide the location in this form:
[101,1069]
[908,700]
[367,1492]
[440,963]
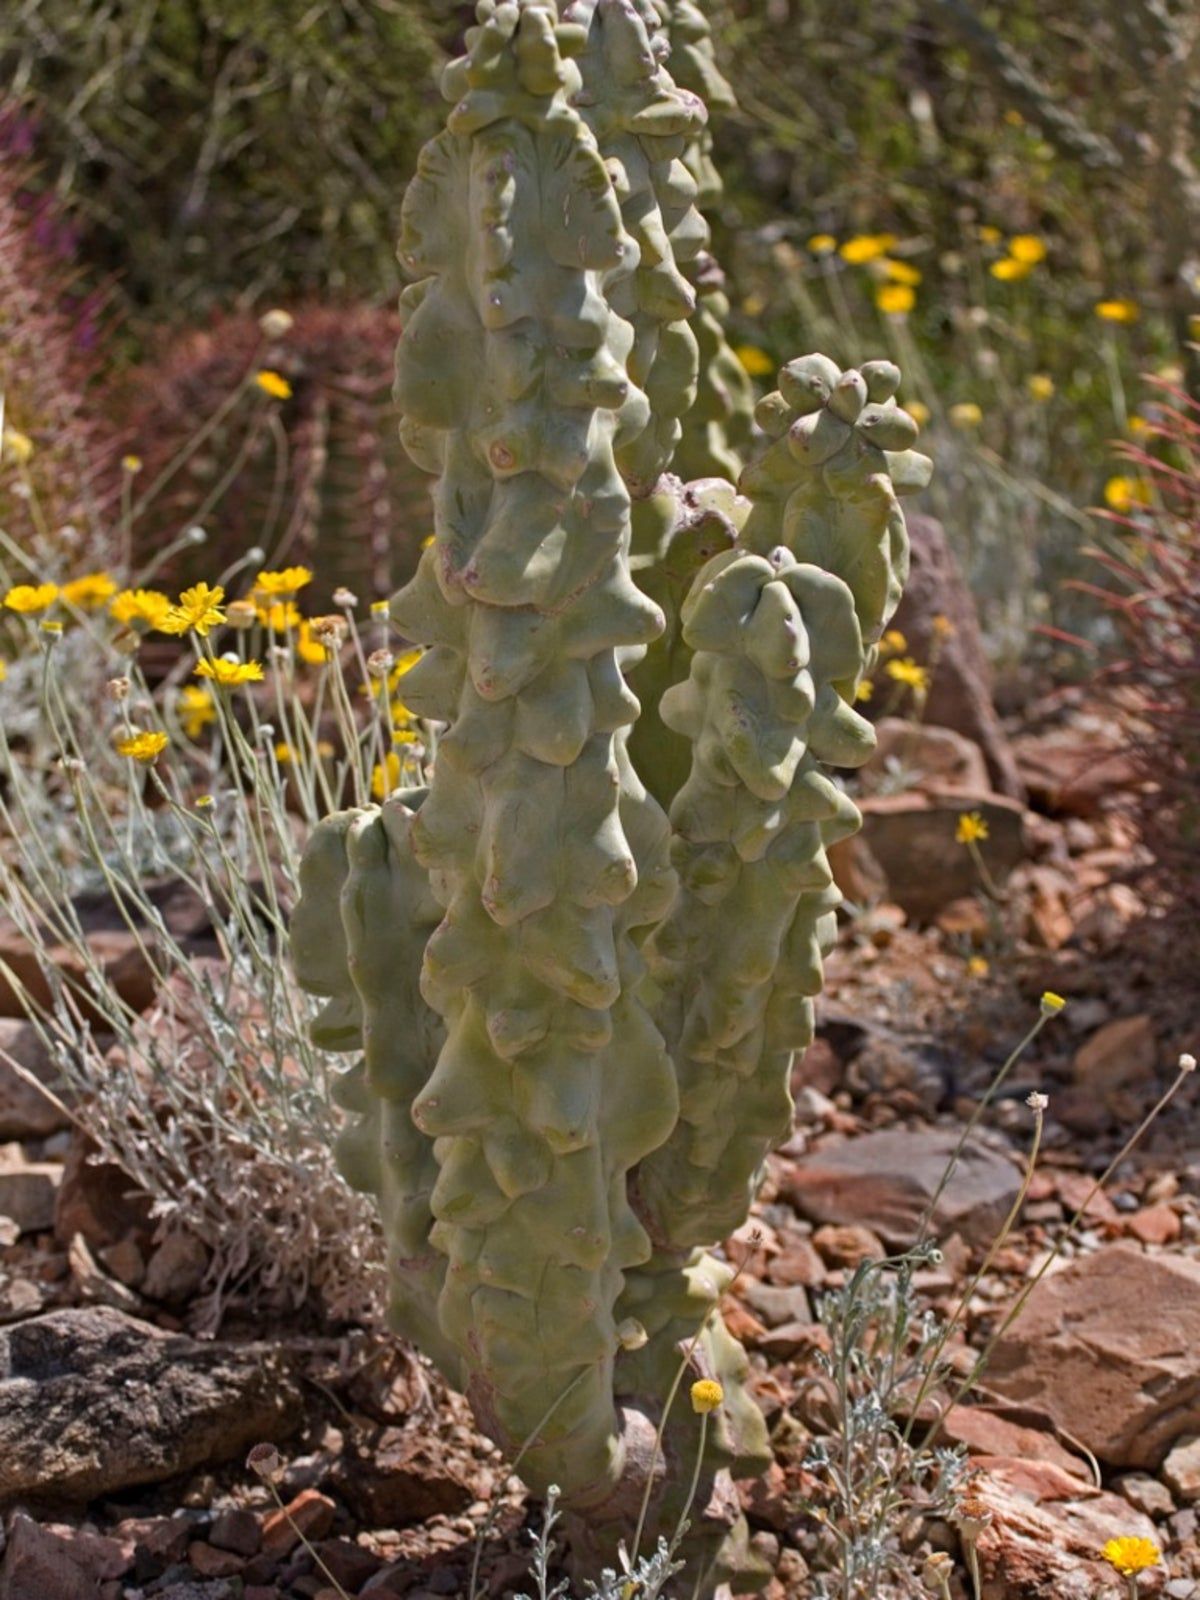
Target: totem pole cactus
[577,986]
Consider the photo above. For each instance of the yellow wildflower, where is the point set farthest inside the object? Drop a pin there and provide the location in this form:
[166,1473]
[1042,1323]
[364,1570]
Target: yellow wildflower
[274,384]
[1122,494]
[405,733]
[966,414]
[907,671]
[405,661]
[279,616]
[17,445]
[756,362]
[132,464]
[197,610]
[895,299]
[1117,310]
[143,747]
[283,752]
[227,674]
[1014,118]
[754,305]
[943,629]
[90,591]
[1052,1004]
[30,598]
[822,244]
[1009,270]
[918,411]
[1130,1555]
[310,650]
[988,234]
[866,247]
[901,271]
[284,583]
[971,828]
[380,608]
[893,643]
[195,709]
[707,1395]
[977,967]
[1139,427]
[145,608]
[3,670]
[52,628]
[386,776]
[864,691]
[1027,247]
[428,540]
[1040,385]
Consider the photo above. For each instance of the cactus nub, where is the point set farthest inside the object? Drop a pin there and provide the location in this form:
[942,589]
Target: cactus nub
[576,1012]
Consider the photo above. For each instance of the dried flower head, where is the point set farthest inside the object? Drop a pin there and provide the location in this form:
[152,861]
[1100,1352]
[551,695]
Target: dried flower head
[117,690]
[1036,1101]
[241,614]
[380,663]
[265,1461]
[275,323]
[329,630]
[345,597]
[1187,1063]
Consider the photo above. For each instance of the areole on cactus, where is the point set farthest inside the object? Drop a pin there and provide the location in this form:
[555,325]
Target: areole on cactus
[576,978]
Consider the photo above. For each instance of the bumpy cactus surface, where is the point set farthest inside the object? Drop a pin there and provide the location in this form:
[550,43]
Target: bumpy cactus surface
[577,979]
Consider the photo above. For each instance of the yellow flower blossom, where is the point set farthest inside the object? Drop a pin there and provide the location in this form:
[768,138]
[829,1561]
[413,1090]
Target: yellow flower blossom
[197,610]
[822,244]
[1139,427]
[405,661]
[707,1395]
[17,446]
[29,598]
[918,411]
[893,643]
[195,709]
[140,608]
[428,540]
[90,591]
[864,691]
[132,464]
[284,583]
[907,671]
[1028,248]
[901,271]
[228,674]
[279,616]
[52,628]
[284,752]
[386,776]
[1122,494]
[978,967]
[754,305]
[1117,310]
[274,384]
[943,629]
[143,747]
[1130,1555]
[3,670]
[755,361]
[988,234]
[971,828]
[1040,385]
[895,299]
[864,247]
[1009,270]
[311,651]
[1052,1004]
[966,414]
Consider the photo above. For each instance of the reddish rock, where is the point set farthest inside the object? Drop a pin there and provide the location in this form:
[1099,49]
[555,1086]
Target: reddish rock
[164,1539]
[1119,1056]
[238,1530]
[1076,1189]
[797,1262]
[1181,1470]
[392,1476]
[310,1513]
[845,1245]
[28,1190]
[26,1110]
[924,754]
[913,838]
[210,1562]
[856,872]
[885,1181]
[1154,1224]
[991,1431]
[99,1200]
[1074,770]
[38,1565]
[348,1562]
[1106,1348]
[176,1268]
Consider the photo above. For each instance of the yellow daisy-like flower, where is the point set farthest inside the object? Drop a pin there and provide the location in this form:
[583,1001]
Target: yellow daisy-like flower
[895,299]
[1117,310]
[90,591]
[864,247]
[3,670]
[1009,270]
[17,446]
[822,244]
[1027,247]
[195,709]
[971,828]
[907,671]
[143,747]
[918,411]
[429,539]
[405,661]
[1139,427]
[864,691]
[29,598]
[942,628]
[284,752]
[386,776]
[1040,385]
[274,384]
[311,651]
[966,414]
[754,305]
[1122,494]
[279,616]
[132,464]
[140,608]
[755,361]
[228,674]
[901,271]
[988,234]
[1130,1555]
[1052,1004]
[707,1395]
[284,583]
[197,610]
[893,643]
[978,967]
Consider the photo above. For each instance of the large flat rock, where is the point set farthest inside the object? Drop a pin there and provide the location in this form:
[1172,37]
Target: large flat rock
[1108,1349]
[92,1401]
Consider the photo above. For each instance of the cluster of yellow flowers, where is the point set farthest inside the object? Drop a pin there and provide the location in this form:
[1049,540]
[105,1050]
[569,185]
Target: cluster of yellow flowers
[1024,252]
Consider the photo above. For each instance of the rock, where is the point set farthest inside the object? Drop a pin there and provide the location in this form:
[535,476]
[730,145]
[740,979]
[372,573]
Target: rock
[1074,770]
[856,872]
[28,1190]
[209,1562]
[1046,1534]
[238,1530]
[797,1262]
[1106,1347]
[786,1340]
[1121,1055]
[997,1431]
[213,1589]
[923,753]
[1158,1224]
[92,1401]
[960,693]
[38,1565]
[847,1245]
[1181,1470]
[176,1269]
[26,1111]
[99,1200]
[348,1562]
[912,837]
[1145,1494]
[310,1514]
[885,1181]
[392,1476]
[776,1305]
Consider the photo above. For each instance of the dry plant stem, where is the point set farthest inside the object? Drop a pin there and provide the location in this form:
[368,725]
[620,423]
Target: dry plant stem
[989,883]
[1019,1304]
[300,1534]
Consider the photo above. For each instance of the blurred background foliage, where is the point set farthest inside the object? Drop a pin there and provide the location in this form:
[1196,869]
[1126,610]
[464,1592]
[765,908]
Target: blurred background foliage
[957,183]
